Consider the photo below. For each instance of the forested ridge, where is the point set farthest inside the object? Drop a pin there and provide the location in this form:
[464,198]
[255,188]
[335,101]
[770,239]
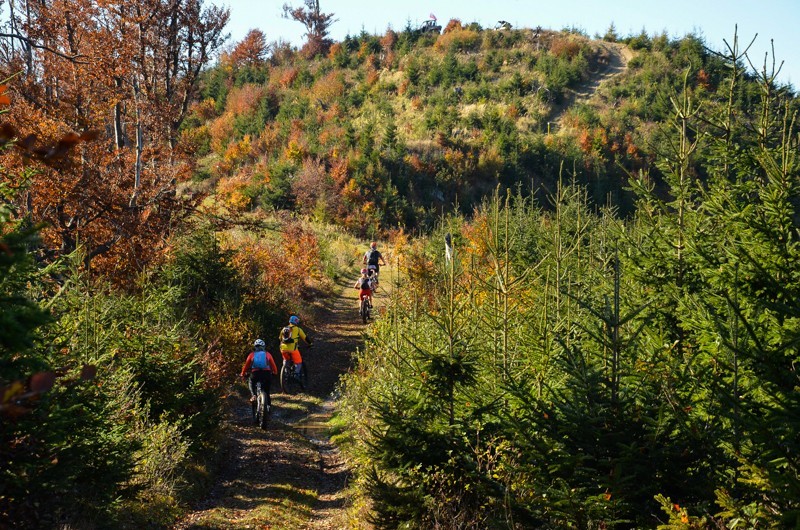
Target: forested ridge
[611,341]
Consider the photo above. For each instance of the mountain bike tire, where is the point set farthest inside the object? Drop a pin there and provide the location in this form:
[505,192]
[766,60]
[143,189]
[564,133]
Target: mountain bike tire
[291,383]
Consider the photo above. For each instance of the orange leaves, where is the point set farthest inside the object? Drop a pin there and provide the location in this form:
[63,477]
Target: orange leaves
[453,25]
[276,269]
[301,249]
[329,87]
[312,187]
[4,99]
[339,172]
[512,112]
[232,190]
[47,153]
[334,50]
[565,47]
[221,131]
[682,513]
[372,76]
[388,40]
[288,77]
[703,79]
[250,51]
[94,194]
[245,99]
[417,164]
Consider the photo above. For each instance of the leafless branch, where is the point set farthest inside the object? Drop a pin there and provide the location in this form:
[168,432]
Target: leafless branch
[29,42]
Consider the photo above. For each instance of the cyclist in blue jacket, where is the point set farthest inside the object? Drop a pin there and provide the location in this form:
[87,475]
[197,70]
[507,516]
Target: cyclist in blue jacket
[259,365]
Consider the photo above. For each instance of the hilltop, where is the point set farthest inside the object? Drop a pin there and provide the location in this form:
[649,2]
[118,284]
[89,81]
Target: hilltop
[391,130]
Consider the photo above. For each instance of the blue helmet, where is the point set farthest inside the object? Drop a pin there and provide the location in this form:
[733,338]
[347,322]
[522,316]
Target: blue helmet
[294,319]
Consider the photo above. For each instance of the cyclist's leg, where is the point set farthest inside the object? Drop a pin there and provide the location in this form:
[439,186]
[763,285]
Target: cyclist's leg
[251,383]
[287,355]
[297,359]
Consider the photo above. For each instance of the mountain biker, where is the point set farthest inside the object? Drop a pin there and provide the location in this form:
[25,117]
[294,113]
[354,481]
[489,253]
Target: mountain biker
[290,338]
[258,365]
[364,283]
[372,257]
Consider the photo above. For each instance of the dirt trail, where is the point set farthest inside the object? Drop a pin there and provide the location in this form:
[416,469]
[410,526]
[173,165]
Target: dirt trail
[615,61]
[290,475]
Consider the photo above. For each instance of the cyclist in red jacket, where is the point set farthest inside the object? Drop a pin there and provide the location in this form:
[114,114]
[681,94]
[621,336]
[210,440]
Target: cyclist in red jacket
[364,285]
[259,365]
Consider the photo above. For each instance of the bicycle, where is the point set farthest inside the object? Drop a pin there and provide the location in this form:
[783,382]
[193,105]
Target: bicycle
[260,407]
[291,381]
[364,310]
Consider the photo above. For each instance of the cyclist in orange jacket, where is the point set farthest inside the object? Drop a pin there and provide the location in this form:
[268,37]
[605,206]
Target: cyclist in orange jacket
[290,337]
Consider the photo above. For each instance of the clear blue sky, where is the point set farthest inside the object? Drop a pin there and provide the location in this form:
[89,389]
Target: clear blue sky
[715,20]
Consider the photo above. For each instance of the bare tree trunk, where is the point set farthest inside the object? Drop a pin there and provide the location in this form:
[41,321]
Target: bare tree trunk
[119,134]
[137,179]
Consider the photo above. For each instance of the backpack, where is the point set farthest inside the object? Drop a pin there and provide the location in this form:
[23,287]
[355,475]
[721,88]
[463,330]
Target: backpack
[365,283]
[259,360]
[372,256]
[286,335]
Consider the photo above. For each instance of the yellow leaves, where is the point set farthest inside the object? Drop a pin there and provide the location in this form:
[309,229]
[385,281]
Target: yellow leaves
[233,191]
[458,39]
[238,152]
[11,390]
[294,151]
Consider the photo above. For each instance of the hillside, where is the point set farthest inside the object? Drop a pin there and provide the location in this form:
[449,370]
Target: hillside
[399,126]
[609,340]
[402,126]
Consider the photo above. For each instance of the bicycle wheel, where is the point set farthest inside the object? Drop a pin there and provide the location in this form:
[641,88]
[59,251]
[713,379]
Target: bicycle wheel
[289,381]
[364,310]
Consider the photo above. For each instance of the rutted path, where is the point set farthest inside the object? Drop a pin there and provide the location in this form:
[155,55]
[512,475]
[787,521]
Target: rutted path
[614,61]
[289,476]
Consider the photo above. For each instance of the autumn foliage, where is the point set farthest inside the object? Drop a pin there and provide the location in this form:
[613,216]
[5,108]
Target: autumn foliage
[113,197]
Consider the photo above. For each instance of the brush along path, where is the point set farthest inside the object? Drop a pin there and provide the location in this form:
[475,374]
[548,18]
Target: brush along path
[289,476]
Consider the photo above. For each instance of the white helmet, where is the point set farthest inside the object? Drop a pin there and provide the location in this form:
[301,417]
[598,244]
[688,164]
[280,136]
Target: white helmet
[259,344]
